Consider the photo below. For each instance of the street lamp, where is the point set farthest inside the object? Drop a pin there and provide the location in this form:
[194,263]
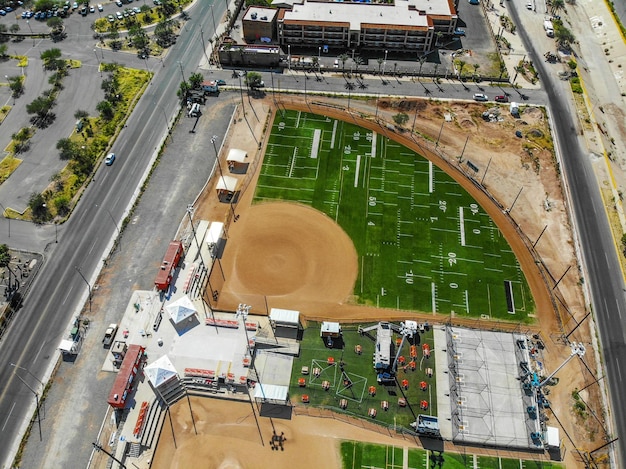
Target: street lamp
[167,122]
[289,57]
[385,63]
[203,44]
[180,64]
[88,284]
[98,60]
[31,31]
[4,211]
[112,219]
[33,391]
[319,57]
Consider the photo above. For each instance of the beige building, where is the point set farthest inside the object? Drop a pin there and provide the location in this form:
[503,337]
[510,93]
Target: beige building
[406,25]
[259,23]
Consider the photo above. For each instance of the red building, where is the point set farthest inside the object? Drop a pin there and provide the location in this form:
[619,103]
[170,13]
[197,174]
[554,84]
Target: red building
[169,264]
[126,377]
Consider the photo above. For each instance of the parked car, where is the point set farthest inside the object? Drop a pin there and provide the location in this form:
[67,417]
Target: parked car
[111,19]
[109,335]
[119,15]
[8,9]
[119,3]
[100,7]
[74,5]
[501,99]
[220,82]
[459,32]
[92,9]
[3,13]
[109,159]
[529,5]
[137,10]
[480,97]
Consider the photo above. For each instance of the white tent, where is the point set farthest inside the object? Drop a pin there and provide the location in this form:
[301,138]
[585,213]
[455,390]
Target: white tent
[160,371]
[226,183]
[236,156]
[181,309]
[271,393]
[285,316]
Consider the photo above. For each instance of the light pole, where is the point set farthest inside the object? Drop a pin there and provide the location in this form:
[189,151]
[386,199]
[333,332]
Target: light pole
[98,60]
[99,448]
[289,57]
[88,284]
[113,220]
[219,166]
[242,312]
[203,44]
[4,211]
[34,392]
[193,230]
[180,64]
[385,63]
[213,16]
[164,116]
[31,31]
[319,58]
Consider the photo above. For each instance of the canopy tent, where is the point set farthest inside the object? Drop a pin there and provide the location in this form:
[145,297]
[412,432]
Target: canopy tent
[181,309]
[236,156]
[271,393]
[285,316]
[226,184]
[160,371]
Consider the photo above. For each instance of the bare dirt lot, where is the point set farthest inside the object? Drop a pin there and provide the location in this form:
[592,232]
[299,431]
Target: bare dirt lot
[284,267]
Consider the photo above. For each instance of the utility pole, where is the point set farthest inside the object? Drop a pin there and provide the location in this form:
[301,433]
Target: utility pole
[99,448]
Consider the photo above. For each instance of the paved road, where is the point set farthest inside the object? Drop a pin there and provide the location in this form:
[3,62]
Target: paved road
[603,272]
[32,340]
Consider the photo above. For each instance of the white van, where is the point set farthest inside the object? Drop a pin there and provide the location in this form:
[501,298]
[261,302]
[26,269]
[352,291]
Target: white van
[194,110]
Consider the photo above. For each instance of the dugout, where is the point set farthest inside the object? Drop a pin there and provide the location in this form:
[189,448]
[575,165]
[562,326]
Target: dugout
[285,323]
[330,333]
[226,188]
[236,161]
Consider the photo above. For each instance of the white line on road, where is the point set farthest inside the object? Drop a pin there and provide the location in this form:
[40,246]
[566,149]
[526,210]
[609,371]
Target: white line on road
[93,245]
[67,295]
[8,416]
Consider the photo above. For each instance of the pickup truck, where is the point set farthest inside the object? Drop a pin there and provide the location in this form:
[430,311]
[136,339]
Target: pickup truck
[109,335]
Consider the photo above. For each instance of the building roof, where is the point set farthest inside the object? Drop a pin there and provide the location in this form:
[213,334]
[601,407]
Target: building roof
[285,316]
[160,371]
[237,155]
[263,15]
[413,14]
[227,183]
[271,392]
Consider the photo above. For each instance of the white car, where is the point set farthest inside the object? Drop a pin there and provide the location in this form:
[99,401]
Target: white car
[100,7]
[480,97]
[529,5]
[109,159]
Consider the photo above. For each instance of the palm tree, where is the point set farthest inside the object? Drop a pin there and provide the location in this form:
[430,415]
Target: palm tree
[462,64]
[422,60]
[476,67]
[380,61]
[357,61]
[343,58]
[557,5]
[502,68]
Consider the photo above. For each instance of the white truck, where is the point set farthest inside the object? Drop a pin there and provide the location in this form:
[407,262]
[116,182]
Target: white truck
[549,28]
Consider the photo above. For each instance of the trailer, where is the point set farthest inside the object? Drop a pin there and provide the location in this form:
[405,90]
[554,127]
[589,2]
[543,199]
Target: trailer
[168,266]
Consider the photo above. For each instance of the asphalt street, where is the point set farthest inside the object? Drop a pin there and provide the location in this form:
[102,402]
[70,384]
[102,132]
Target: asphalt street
[603,272]
[60,289]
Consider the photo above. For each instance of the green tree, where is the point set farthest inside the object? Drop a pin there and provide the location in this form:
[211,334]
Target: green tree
[105,108]
[5,255]
[14,28]
[16,84]
[401,118]
[81,114]
[195,80]
[343,58]
[462,64]
[253,80]
[3,50]
[38,208]
[67,149]
[556,6]
[183,90]
[40,106]
[563,36]
[55,23]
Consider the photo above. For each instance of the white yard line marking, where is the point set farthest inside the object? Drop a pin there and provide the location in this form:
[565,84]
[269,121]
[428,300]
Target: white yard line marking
[374,139]
[431,182]
[432,294]
[317,133]
[356,174]
[298,119]
[293,160]
[462,223]
[332,138]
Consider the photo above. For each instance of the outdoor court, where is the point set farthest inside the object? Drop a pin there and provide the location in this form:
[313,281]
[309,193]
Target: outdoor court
[422,242]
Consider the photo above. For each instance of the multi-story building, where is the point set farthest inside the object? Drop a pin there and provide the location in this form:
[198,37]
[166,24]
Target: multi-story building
[405,25]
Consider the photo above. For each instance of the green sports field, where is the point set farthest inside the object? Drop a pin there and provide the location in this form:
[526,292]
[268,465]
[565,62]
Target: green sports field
[423,242]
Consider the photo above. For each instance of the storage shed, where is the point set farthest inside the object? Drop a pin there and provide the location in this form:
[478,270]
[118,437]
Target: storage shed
[285,323]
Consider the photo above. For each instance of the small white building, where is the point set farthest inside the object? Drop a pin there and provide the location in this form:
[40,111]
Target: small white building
[285,323]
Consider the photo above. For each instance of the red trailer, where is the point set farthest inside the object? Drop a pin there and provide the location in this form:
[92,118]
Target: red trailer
[126,376]
[169,264]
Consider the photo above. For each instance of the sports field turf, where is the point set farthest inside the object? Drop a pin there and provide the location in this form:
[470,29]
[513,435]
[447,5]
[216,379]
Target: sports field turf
[357,455]
[423,242]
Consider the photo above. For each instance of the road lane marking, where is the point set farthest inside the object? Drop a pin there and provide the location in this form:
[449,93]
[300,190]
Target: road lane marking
[67,295]
[8,416]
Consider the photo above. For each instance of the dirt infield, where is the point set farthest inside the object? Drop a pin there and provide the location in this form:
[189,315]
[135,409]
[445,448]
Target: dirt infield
[291,253]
